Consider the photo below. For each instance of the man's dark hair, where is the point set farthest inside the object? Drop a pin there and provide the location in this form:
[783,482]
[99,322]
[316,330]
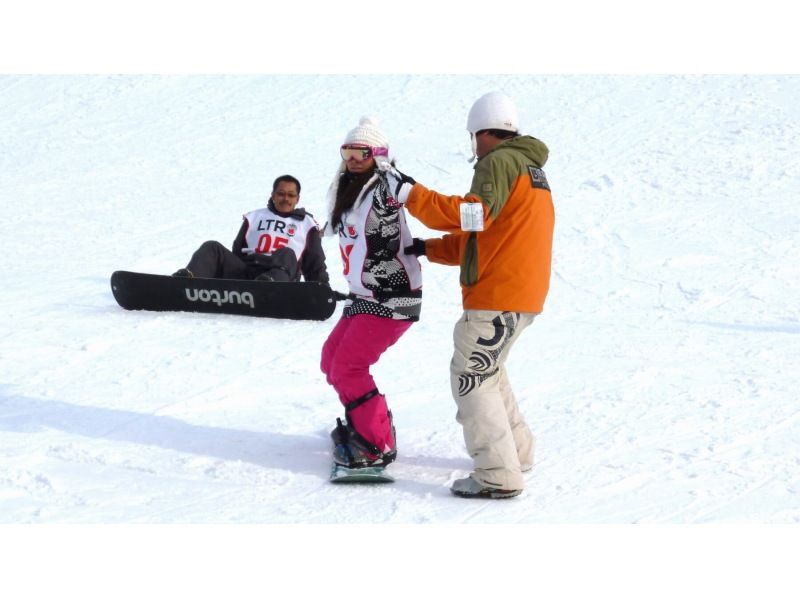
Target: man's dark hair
[286,178]
[499,133]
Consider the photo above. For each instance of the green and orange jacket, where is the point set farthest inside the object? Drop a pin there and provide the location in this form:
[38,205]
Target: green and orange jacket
[506,266]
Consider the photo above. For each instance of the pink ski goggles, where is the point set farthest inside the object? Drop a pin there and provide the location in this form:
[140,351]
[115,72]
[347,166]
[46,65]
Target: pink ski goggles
[360,153]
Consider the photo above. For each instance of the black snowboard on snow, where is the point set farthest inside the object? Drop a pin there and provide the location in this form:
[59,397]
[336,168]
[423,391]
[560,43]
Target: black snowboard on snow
[291,300]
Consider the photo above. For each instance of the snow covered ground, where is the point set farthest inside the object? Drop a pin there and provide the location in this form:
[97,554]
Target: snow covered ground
[661,380]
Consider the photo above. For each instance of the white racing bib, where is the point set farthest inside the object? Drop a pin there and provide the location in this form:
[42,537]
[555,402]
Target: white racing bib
[268,232]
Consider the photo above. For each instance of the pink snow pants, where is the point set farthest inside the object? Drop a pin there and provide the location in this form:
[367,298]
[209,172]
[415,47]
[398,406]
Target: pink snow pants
[354,344]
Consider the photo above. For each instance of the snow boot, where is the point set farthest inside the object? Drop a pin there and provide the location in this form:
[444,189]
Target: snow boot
[471,488]
[352,450]
[183,273]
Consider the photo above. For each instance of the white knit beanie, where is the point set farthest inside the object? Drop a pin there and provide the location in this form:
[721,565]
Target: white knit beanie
[493,110]
[368,133]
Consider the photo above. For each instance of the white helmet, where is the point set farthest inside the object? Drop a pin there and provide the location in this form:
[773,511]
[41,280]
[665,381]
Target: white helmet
[493,110]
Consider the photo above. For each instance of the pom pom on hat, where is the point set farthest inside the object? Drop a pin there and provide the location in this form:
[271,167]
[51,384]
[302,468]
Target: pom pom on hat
[493,110]
[368,133]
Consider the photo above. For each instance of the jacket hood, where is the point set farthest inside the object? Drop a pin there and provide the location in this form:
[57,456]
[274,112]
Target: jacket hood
[533,149]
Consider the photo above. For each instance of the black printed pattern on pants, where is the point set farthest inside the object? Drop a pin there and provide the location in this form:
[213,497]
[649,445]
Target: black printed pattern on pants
[482,363]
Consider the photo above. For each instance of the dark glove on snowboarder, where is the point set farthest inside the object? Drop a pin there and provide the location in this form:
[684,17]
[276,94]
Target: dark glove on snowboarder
[417,247]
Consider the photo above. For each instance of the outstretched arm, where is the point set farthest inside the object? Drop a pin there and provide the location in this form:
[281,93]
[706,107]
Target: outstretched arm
[438,211]
[491,187]
[446,250]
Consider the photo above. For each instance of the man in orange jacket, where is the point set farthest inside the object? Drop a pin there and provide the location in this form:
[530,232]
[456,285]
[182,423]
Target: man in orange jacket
[501,235]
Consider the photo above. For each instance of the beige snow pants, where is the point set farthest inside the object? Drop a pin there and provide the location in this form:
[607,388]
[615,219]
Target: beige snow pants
[497,437]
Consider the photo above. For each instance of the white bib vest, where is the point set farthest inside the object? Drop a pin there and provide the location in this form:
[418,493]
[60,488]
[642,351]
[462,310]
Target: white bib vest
[268,232]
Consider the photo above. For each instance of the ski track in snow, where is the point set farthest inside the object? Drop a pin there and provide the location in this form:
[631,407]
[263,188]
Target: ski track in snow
[660,380]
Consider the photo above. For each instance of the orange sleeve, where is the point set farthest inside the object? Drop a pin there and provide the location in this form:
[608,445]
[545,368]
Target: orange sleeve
[438,211]
[446,250]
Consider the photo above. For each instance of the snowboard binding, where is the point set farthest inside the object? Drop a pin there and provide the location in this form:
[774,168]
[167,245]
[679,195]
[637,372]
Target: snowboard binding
[352,450]
[355,459]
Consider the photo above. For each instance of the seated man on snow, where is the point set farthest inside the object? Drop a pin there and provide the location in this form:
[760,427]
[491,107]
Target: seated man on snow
[276,243]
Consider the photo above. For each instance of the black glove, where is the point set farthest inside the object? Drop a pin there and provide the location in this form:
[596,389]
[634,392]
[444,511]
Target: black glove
[404,184]
[417,247]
